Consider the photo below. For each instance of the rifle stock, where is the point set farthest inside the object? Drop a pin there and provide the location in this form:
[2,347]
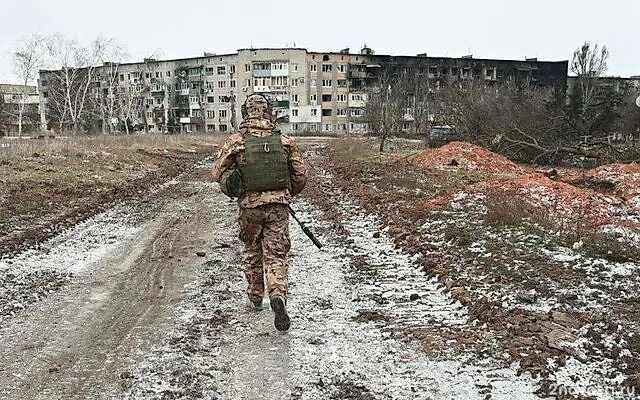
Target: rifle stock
[305,229]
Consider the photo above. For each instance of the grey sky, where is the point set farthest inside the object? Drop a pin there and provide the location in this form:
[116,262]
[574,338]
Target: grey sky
[505,29]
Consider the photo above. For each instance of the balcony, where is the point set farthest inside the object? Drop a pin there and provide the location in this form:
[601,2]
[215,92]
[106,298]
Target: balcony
[358,75]
[261,73]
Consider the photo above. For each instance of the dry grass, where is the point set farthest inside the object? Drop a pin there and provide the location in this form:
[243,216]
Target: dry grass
[65,178]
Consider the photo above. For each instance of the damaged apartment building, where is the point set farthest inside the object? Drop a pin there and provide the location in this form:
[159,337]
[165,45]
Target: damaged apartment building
[311,91]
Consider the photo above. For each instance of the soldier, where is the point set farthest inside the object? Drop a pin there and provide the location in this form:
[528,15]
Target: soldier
[263,169]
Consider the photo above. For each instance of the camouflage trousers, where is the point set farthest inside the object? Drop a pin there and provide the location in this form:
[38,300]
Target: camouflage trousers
[264,230]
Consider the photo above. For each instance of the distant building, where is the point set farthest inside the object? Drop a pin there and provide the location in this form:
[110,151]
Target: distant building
[311,91]
[620,85]
[14,97]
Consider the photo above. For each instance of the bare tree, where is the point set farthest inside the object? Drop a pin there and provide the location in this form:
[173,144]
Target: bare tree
[28,58]
[108,91]
[589,62]
[75,74]
[386,106]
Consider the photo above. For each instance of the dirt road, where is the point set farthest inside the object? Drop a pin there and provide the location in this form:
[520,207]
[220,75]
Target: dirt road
[127,305]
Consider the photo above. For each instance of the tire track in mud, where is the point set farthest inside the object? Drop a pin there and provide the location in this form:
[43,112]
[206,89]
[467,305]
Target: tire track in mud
[75,343]
[224,350]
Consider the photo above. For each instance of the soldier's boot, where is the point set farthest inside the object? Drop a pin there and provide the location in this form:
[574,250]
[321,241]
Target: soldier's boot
[281,319]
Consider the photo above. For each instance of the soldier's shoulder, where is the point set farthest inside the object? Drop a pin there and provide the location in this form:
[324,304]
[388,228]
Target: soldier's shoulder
[235,137]
[287,140]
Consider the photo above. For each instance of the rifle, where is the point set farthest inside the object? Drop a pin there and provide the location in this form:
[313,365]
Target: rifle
[304,228]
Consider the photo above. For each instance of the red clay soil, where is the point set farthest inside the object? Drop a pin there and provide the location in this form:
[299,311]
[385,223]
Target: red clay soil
[607,194]
[465,155]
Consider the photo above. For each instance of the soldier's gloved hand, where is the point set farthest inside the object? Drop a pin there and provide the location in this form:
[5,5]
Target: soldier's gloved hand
[231,182]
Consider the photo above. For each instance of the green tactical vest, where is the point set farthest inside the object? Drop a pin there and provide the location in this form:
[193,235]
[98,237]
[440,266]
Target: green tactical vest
[266,166]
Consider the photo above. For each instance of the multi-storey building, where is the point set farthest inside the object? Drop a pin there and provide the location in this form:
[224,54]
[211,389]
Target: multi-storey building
[311,91]
[14,98]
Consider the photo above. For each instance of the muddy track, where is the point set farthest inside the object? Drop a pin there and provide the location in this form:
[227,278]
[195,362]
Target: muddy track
[74,344]
[142,316]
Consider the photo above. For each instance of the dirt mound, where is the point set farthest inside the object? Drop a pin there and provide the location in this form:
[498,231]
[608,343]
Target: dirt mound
[465,155]
[562,201]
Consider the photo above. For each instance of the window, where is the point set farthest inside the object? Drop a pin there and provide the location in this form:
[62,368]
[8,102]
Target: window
[314,112]
[313,67]
[294,98]
[327,112]
[356,112]
[326,83]
[295,127]
[210,99]
[294,67]
[211,114]
[313,97]
[326,97]
[356,97]
[224,99]
[232,69]
[294,112]
[168,74]
[232,84]
[149,114]
[157,74]
[341,68]
[342,127]
[147,75]
[222,84]
[294,82]
[326,67]
[341,112]
[325,58]
[121,78]
[341,82]
[193,99]
[327,127]
[313,127]
[158,101]
[341,98]
[209,71]
[280,81]
[222,114]
[222,70]
[211,127]
[223,127]
[247,68]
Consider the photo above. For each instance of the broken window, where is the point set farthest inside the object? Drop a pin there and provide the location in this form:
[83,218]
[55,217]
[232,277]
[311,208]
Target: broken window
[341,82]
[327,112]
[222,70]
[341,68]
[326,97]
[223,127]
[314,112]
[209,70]
[325,57]
[342,127]
[211,127]
[224,99]
[326,67]
[210,99]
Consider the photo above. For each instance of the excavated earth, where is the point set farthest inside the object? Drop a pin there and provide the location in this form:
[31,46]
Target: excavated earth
[145,300]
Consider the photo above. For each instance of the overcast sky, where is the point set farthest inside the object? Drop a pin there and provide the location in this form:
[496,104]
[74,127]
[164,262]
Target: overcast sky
[504,29]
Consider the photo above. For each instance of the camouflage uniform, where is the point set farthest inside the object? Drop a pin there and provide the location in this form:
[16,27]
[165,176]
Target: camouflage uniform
[263,216]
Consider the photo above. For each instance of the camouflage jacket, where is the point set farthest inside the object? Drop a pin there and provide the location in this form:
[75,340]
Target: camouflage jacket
[232,155]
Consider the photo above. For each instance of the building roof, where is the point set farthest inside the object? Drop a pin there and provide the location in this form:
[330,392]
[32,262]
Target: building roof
[18,89]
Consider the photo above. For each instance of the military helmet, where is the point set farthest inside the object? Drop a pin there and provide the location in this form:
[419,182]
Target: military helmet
[257,106]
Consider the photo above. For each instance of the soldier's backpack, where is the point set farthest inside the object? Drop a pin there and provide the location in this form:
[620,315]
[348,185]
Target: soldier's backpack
[266,166]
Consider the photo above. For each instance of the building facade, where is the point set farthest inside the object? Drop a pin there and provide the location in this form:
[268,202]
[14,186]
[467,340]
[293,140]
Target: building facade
[311,91]
[13,98]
